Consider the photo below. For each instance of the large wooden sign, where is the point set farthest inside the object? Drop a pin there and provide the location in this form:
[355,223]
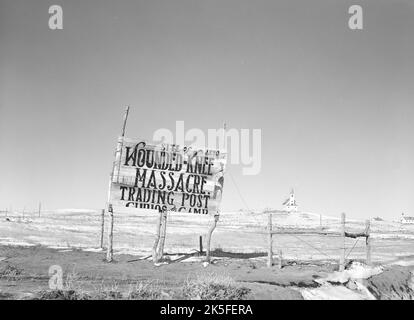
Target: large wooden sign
[167,177]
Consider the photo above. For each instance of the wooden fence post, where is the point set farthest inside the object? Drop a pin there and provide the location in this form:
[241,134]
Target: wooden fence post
[210,231]
[280,259]
[368,242]
[201,245]
[160,250]
[109,252]
[102,227]
[157,238]
[342,258]
[40,208]
[270,241]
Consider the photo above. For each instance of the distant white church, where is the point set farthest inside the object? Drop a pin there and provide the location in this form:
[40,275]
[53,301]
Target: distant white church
[290,203]
[406,219]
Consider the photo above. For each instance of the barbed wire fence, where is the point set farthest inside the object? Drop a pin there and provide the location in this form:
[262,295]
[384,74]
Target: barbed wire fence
[251,228]
[345,241]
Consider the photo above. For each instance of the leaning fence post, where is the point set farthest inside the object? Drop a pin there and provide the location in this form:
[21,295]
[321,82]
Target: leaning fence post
[368,242]
[109,252]
[342,258]
[102,227]
[210,231]
[270,241]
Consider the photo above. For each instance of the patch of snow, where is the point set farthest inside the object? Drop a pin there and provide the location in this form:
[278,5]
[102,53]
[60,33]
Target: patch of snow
[356,271]
[404,263]
[93,249]
[331,292]
[59,247]
[344,285]
[15,242]
[66,211]
[158,264]
[392,236]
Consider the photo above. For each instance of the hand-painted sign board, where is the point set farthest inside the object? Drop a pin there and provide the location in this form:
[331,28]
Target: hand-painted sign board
[167,177]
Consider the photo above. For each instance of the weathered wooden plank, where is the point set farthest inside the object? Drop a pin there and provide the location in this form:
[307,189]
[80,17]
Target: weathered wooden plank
[150,145]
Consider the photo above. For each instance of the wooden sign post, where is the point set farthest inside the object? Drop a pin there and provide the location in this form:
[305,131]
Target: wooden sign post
[217,215]
[160,235]
[160,249]
[157,237]
[109,253]
[210,232]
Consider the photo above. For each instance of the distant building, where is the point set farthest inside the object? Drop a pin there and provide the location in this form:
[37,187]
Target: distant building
[290,203]
[406,219]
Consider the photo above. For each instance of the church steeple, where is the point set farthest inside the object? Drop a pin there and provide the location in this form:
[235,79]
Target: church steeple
[290,203]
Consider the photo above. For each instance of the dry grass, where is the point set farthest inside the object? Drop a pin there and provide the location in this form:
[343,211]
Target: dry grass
[149,290]
[212,286]
[203,286]
[10,273]
[72,281]
[61,295]
[74,289]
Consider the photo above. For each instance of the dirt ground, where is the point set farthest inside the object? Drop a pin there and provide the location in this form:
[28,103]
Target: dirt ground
[90,271]
[28,273]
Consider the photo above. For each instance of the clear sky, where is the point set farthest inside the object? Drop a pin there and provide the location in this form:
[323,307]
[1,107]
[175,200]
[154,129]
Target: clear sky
[335,106]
